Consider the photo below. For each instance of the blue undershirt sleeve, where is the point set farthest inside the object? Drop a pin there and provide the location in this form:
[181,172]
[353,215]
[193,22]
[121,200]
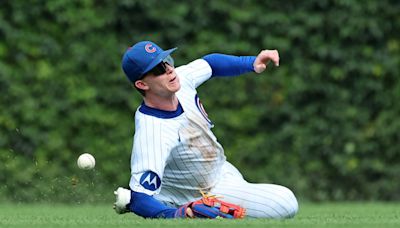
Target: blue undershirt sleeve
[148,207]
[228,65]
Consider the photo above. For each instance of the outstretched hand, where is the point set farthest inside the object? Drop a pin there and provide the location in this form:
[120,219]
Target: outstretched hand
[262,60]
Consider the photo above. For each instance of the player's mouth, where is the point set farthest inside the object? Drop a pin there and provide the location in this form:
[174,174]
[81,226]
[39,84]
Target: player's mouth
[172,80]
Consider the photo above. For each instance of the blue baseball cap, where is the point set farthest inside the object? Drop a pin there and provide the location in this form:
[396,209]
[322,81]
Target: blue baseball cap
[141,58]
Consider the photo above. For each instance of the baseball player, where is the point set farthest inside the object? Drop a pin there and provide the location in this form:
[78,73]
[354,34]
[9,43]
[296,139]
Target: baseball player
[178,168]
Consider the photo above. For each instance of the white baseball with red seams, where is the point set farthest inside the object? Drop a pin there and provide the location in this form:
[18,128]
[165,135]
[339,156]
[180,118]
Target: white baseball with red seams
[86,161]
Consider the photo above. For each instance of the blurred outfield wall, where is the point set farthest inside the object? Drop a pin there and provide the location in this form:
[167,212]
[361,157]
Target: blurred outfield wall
[325,123]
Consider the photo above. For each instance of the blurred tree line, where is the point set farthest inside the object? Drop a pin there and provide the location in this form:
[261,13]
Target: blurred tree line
[325,123]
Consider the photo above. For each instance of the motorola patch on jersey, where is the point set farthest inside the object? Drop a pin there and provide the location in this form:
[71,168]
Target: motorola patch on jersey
[150,180]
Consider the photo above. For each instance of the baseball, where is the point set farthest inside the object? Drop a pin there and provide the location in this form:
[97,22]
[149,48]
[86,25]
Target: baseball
[86,161]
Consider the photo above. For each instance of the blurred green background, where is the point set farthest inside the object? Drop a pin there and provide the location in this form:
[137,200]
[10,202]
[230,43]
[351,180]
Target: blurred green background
[326,123]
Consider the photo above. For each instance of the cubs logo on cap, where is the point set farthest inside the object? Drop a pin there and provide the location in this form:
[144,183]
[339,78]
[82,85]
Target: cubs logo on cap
[150,48]
[141,58]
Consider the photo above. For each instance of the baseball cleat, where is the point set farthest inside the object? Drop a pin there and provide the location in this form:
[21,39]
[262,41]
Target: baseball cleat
[122,199]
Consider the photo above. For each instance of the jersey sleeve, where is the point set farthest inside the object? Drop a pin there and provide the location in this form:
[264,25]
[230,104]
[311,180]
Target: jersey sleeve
[149,155]
[229,65]
[194,73]
[148,207]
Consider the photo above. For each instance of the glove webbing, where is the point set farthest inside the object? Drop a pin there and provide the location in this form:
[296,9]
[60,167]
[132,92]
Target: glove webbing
[224,207]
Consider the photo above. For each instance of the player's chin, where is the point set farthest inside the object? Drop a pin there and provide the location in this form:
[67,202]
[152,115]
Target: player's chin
[175,87]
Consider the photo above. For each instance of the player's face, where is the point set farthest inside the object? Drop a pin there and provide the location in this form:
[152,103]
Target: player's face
[162,83]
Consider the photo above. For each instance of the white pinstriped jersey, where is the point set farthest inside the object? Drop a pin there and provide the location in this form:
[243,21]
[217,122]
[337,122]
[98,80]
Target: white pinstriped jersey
[174,157]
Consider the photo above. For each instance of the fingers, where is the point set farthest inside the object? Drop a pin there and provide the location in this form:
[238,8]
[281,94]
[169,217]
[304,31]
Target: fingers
[272,55]
[263,58]
[260,67]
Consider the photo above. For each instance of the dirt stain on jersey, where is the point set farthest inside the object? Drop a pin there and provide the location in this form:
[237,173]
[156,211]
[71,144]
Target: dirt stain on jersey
[199,156]
[199,137]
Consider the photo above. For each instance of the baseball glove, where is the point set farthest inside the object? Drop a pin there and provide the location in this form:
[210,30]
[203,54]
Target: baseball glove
[210,207]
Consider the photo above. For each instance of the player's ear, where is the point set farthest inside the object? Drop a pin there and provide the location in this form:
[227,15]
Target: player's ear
[140,84]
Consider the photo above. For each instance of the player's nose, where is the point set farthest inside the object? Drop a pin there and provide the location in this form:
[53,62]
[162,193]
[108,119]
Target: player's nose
[169,68]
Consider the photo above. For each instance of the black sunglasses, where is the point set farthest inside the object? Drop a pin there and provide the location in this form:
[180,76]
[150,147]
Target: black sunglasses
[161,68]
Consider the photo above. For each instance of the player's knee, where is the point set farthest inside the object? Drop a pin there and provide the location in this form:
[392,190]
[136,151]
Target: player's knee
[289,203]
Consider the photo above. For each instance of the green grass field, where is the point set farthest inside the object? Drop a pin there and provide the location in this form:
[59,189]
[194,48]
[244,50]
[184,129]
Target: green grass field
[310,215]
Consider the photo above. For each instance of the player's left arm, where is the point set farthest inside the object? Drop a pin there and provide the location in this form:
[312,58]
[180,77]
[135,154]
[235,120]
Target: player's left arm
[207,207]
[146,206]
[229,65]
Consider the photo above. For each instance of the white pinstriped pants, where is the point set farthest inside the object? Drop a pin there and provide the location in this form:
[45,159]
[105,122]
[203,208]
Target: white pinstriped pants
[260,200]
